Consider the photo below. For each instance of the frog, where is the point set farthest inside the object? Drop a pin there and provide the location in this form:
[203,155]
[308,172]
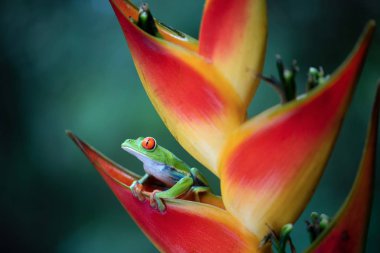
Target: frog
[176,175]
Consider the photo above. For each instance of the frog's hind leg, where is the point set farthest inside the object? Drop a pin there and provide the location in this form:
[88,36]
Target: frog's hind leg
[175,191]
[199,189]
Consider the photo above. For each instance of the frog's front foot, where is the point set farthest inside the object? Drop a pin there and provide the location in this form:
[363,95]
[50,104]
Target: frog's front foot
[156,201]
[136,189]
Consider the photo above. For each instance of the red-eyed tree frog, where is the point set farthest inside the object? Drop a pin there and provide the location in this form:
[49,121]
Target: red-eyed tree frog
[163,165]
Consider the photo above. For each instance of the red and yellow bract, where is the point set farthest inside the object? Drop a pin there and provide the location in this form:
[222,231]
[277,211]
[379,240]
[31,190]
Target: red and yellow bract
[278,157]
[185,225]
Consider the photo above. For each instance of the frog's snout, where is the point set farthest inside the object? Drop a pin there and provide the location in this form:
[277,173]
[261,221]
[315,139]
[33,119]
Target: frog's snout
[126,143]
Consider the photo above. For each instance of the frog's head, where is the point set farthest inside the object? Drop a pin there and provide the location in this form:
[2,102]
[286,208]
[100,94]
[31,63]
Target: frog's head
[145,149]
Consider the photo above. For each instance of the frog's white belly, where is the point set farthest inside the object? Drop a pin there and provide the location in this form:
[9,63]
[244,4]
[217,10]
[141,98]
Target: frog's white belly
[160,171]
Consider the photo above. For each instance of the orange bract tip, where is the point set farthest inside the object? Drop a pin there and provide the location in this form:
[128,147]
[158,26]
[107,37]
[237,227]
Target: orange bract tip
[233,37]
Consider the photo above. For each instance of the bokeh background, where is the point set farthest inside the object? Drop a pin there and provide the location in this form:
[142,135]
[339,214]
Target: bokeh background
[65,65]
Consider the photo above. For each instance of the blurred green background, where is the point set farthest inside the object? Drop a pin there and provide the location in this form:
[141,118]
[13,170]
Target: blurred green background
[66,65]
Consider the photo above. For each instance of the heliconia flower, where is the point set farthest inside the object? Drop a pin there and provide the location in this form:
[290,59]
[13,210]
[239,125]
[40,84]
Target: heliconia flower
[347,231]
[269,166]
[185,225]
[205,226]
[278,157]
[201,89]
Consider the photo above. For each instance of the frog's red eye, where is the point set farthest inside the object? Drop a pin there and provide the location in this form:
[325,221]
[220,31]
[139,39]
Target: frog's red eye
[149,143]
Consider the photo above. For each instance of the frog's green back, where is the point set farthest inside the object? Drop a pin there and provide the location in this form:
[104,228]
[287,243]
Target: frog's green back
[173,161]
